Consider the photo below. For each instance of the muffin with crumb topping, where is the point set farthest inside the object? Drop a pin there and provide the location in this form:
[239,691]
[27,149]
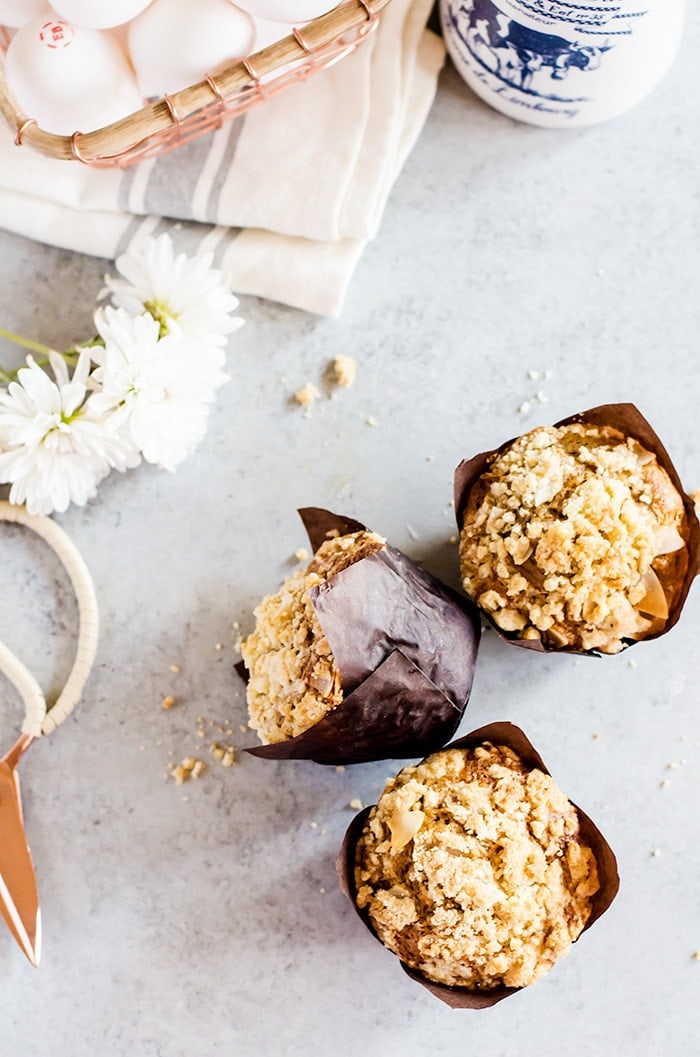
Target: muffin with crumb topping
[576,536]
[476,870]
[293,677]
[361,655]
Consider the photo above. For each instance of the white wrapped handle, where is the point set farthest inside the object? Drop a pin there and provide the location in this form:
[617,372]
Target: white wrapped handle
[39,719]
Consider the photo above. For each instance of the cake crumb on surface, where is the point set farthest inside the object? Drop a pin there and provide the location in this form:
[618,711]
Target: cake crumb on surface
[168,702]
[343,371]
[306,395]
[191,767]
[356,804]
[223,752]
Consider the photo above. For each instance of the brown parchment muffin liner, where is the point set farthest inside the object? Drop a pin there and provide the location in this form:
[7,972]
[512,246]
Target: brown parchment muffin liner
[511,736]
[405,646]
[628,420]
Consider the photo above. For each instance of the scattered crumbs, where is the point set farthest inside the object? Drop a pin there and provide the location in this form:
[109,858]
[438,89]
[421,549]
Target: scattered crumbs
[411,532]
[429,458]
[244,728]
[306,395]
[547,374]
[201,732]
[218,645]
[343,371]
[453,540]
[533,375]
[323,892]
[596,736]
[340,768]
[141,748]
[664,784]
[356,804]
[236,625]
[655,853]
[371,421]
[524,407]
[186,799]
[175,668]
[601,271]
[301,554]
[324,830]
[631,663]
[223,752]
[696,956]
[191,767]
[541,396]
[168,702]
[314,825]
[674,765]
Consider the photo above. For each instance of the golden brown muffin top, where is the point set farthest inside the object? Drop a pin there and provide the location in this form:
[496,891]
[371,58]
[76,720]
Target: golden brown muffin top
[472,870]
[575,535]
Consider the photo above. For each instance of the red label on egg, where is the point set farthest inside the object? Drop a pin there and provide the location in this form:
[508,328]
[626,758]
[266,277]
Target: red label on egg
[56,34]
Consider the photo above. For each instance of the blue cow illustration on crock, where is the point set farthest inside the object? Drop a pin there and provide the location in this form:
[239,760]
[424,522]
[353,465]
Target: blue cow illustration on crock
[515,53]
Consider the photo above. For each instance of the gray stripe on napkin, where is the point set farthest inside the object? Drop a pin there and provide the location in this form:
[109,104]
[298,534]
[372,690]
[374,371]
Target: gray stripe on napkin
[174,176]
[235,129]
[128,234]
[173,179]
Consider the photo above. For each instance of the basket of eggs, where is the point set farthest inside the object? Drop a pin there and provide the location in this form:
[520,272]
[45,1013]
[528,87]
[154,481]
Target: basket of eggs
[111,83]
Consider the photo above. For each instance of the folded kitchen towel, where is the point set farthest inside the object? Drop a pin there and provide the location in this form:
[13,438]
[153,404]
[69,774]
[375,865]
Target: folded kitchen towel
[286,196]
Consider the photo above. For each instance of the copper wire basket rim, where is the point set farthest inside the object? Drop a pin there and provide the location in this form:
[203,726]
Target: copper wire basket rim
[175,119]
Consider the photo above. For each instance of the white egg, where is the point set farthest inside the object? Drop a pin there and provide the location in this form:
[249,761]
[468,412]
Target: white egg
[99,14]
[69,79]
[290,11]
[15,13]
[267,32]
[176,43]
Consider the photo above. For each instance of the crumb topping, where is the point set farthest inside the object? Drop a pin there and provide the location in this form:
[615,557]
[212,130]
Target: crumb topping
[293,679]
[575,535]
[472,869]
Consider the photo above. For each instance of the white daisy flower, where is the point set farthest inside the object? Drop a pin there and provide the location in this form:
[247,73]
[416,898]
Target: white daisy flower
[53,449]
[149,387]
[184,294]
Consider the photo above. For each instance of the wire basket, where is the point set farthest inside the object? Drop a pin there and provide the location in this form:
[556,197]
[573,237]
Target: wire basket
[176,119]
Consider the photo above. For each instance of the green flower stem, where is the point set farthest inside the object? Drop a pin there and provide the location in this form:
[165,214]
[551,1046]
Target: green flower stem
[71,356]
[26,343]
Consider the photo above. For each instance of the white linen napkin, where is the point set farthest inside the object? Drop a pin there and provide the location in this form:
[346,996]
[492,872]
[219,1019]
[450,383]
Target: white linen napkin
[286,196]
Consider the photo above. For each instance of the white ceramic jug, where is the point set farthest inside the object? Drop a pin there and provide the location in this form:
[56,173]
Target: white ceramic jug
[560,63]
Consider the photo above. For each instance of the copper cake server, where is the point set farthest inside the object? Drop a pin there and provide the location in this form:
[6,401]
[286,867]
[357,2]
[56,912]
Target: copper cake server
[19,897]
